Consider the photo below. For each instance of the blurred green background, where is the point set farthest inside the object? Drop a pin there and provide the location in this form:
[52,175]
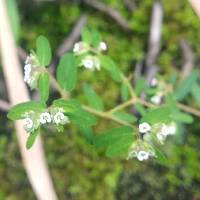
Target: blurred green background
[78,171]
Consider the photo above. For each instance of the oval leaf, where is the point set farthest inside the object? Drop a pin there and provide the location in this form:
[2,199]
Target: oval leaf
[17,111]
[92,97]
[43,86]
[109,65]
[31,139]
[67,72]
[43,51]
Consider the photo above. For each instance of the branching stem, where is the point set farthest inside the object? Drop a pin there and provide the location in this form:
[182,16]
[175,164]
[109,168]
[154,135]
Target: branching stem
[109,114]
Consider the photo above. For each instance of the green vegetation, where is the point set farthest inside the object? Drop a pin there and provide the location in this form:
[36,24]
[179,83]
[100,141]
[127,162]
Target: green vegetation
[78,171]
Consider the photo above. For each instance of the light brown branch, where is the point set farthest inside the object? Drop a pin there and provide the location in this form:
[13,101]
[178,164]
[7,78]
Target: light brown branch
[4,106]
[69,41]
[196,6]
[33,159]
[114,14]
[188,59]
[154,40]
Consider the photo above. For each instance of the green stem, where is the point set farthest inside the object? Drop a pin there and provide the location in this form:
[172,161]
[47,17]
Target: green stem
[55,84]
[106,116]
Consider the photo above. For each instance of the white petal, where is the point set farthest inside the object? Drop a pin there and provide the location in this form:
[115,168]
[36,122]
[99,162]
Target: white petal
[144,127]
[103,46]
[156,99]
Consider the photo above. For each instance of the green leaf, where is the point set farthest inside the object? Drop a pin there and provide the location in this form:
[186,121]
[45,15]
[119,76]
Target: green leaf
[86,35]
[171,102]
[67,72]
[69,105]
[43,86]
[140,108]
[121,147]
[125,116]
[96,38]
[195,92]
[140,85]
[111,136]
[43,51]
[13,14]
[109,65]
[86,132]
[31,139]
[182,117]
[161,158]
[92,97]
[17,111]
[186,85]
[81,117]
[161,114]
[124,92]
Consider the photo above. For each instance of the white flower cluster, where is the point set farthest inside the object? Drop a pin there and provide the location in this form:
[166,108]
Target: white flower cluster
[32,122]
[164,131]
[80,48]
[83,47]
[30,75]
[161,130]
[157,98]
[141,150]
[91,63]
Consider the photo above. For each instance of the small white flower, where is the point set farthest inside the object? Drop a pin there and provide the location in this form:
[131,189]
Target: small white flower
[27,68]
[76,48]
[28,123]
[154,82]
[142,155]
[45,118]
[27,61]
[88,63]
[156,99]
[144,127]
[172,128]
[168,129]
[60,118]
[103,46]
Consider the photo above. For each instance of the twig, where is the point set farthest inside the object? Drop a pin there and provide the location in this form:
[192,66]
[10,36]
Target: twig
[68,42]
[188,59]
[154,40]
[34,159]
[130,5]
[110,12]
[106,115]
[4,105]
[21,53]
[196,6]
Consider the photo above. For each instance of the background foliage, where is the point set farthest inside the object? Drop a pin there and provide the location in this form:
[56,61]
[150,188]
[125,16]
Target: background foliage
[78,171]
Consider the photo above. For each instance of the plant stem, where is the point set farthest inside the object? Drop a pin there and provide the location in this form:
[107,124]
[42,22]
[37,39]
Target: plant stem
[122,106]
[134,99]
[130,88]
[189,109]
[106,115]
[55,84]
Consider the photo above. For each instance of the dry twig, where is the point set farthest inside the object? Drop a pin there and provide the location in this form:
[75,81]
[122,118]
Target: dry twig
[196,6]
[68,42]
[188,59]
[34,159]
[154,40]
[110,12]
